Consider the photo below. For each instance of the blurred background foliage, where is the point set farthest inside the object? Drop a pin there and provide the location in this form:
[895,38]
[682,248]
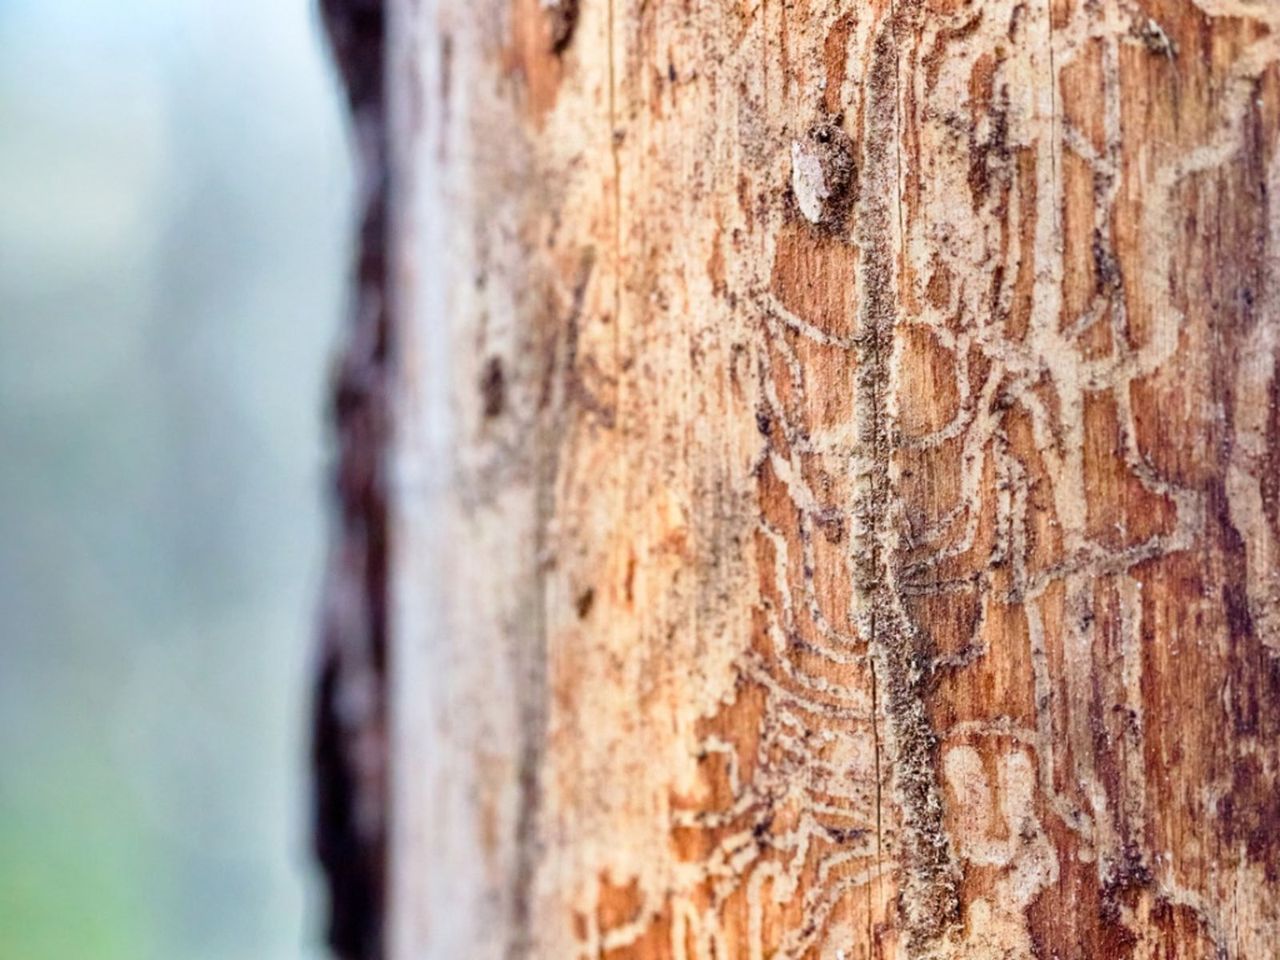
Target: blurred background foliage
[175,193]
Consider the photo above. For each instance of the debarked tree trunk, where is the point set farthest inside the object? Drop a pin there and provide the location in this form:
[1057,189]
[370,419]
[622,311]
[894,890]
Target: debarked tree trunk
[810,483]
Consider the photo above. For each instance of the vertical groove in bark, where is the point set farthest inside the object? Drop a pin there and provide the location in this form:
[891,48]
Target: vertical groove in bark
[349,735]
[901,652]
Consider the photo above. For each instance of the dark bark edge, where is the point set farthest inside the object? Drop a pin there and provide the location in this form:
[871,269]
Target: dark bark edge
[349,753]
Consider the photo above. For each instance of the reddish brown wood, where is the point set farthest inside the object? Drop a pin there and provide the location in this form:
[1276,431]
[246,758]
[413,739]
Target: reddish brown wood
[837,508]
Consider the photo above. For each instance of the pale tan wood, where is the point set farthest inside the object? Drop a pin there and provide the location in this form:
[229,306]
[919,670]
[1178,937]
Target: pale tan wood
[837,454]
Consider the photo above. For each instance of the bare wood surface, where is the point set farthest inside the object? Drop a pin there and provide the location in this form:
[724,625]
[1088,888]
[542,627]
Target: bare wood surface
[837,479]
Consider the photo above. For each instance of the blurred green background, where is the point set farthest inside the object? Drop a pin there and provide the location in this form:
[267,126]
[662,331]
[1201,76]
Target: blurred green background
[175,195]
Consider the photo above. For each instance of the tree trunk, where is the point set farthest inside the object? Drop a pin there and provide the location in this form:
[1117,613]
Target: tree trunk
[834,482]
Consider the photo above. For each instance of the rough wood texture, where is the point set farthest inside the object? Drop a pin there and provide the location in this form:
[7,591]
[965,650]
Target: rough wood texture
[838,479]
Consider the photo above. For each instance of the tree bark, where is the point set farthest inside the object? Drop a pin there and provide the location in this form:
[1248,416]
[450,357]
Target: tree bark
[834,484]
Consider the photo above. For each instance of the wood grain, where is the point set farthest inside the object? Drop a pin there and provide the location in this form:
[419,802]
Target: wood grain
[838,479]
